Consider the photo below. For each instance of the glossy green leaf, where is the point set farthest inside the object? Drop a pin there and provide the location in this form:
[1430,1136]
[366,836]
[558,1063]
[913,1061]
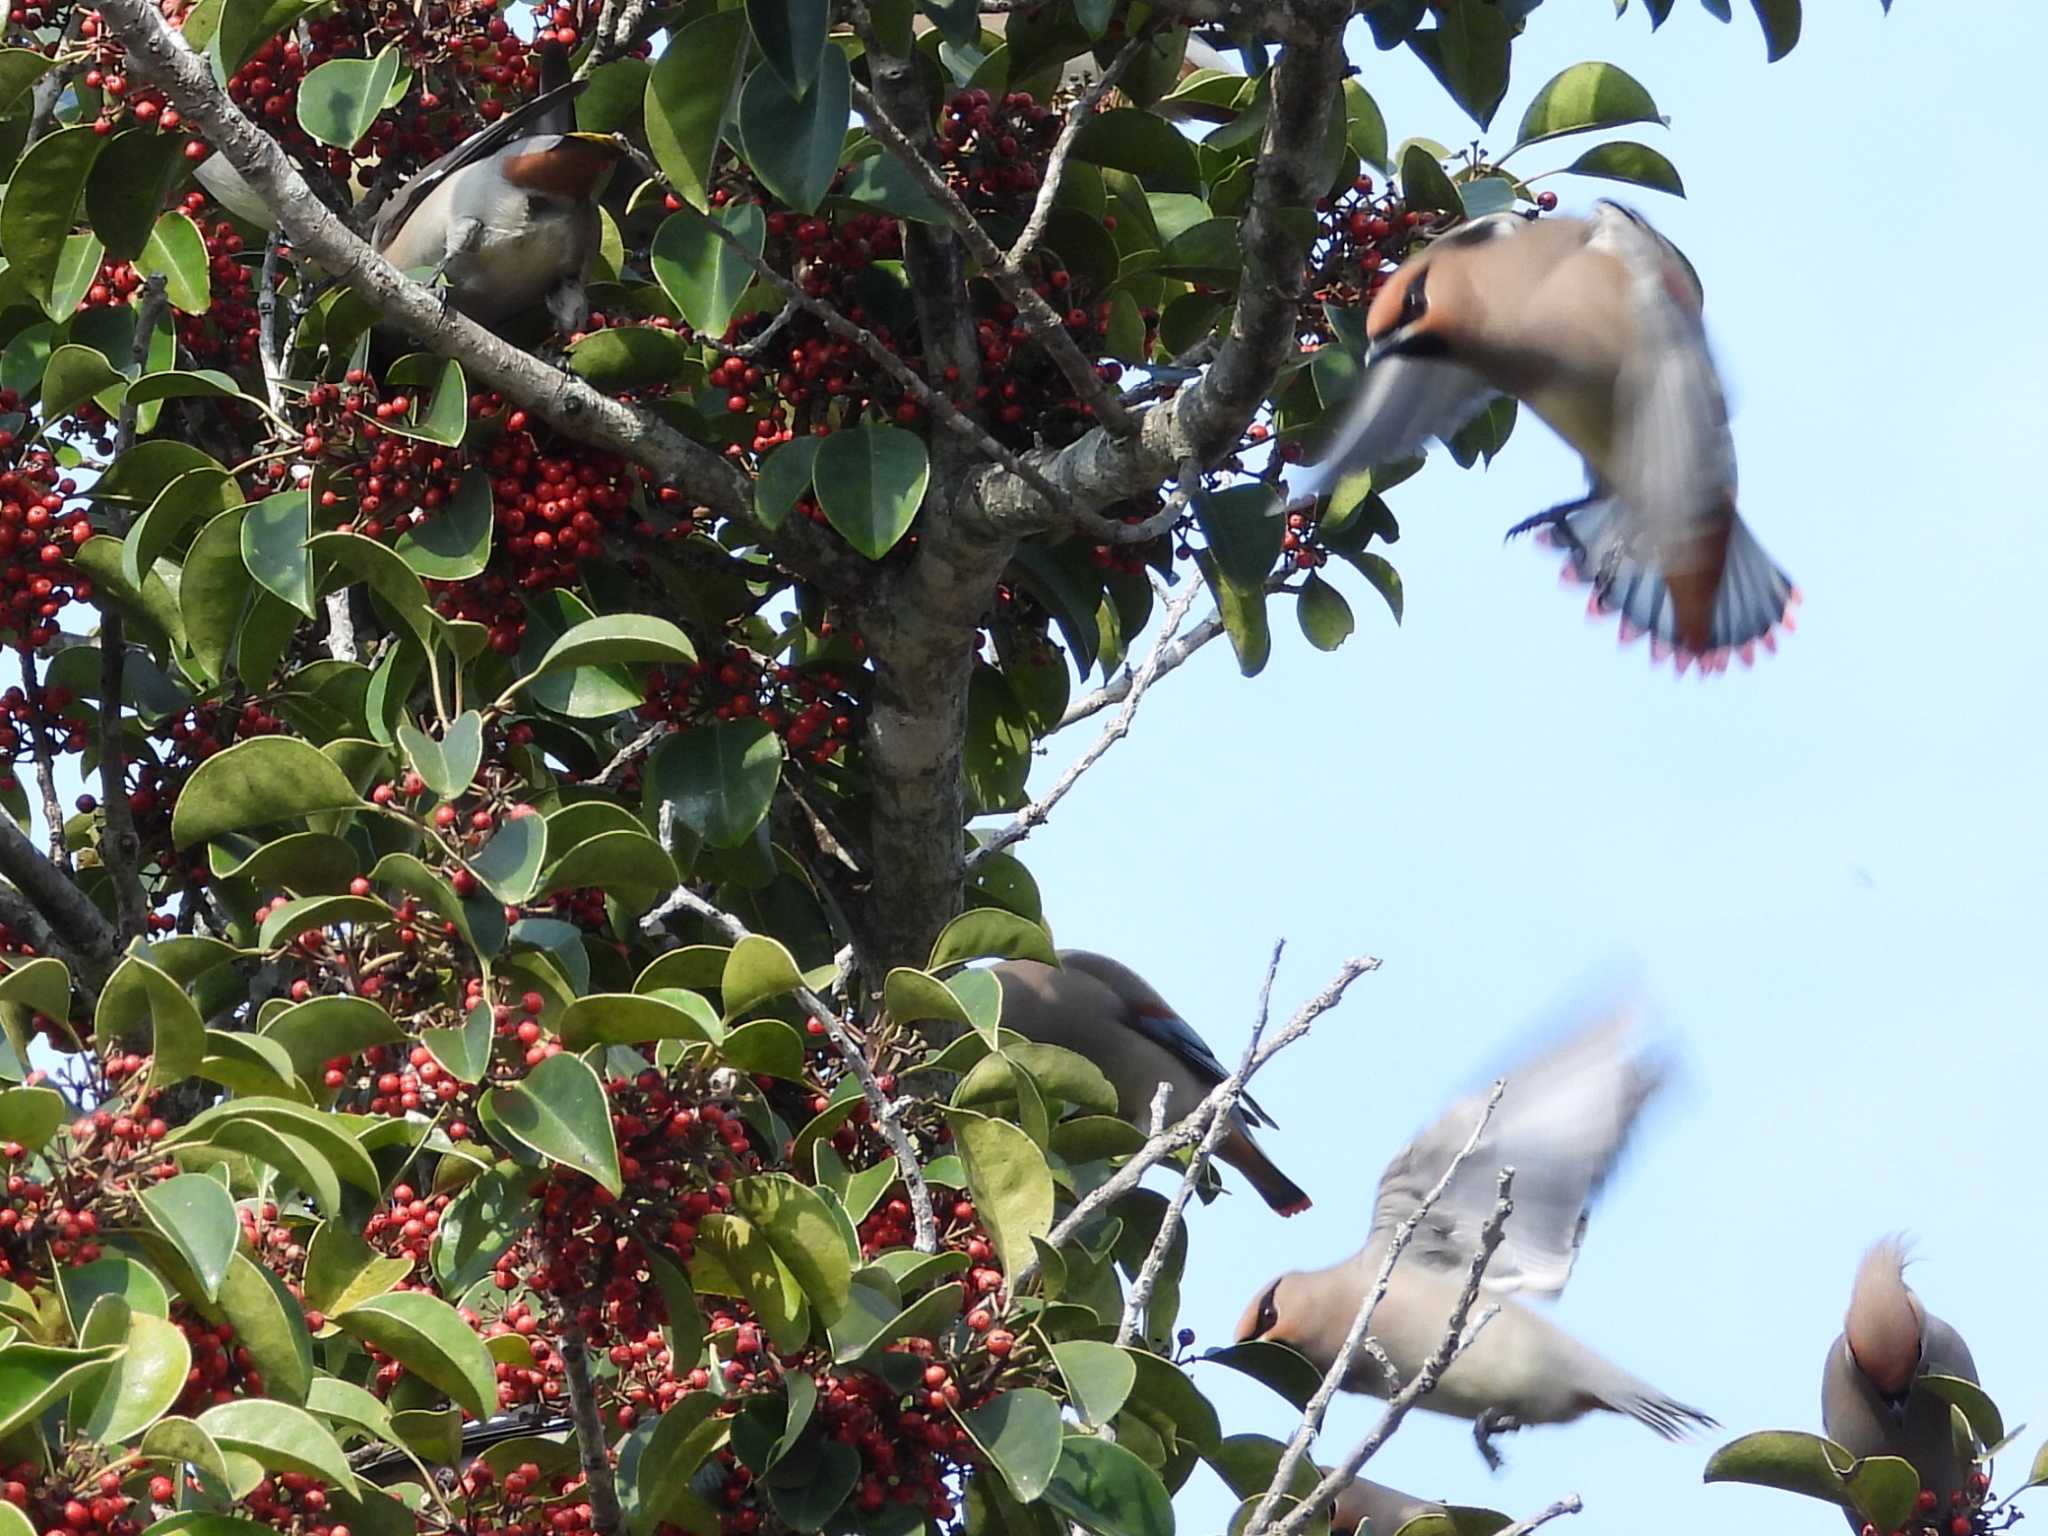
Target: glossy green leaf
[431,1340]
[630,357]
[631,866]
[445,415]
[1244,617]
[1467,51]
[1637,164]
[72,376]
[329,1134]
[689,93]
[1365,128]
[700,270]
[997,749]
[800,1228]
[870,481]
[990,933]
[138,991]
[31,1115]
[784,479]
[136,1284]
[757,970]
[1244,526]
[321,1028]
[340,99]
[274,535]
[1105,1488]
[793,144]
[510,863]
[1585,97]
[733,1257]
[1424,184]
[465,1051]
[791,36]
[41,204]
[1145,145]
[176,250]
[450,764]
[478,1226]
[1013,1189]
[559,1110]
[1780,20]
[141,1385]
[719,777]
[33,1376]
[271,1325]
[1285,1370]
[1975,1403]
[628,1018]
[343,1270]
[280,1437]
[683,1438]
[1099,1377]
[1324,615]
[626,637]
[394,582]
[1019,1431]
[196,1216]
[454,543]
[263,780]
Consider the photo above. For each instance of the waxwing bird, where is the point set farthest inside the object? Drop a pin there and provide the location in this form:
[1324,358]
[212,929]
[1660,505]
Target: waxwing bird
[509,216]
[1561,1125]
[1870,1404]
[1387,1508]
[1103,1010]
[1595,325]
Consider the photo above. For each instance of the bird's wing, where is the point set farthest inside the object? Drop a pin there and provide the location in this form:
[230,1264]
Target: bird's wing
[516,124]
[1675,459]
[1400,403]
[1561,1125]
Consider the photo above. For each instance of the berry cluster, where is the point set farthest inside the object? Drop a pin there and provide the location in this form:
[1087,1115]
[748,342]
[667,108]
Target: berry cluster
[993,150]
[38,538]
[813,710]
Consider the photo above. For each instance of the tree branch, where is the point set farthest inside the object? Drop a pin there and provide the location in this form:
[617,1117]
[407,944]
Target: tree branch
[885,1112]
[1570,1504]
[1147,1277]
[1119,688]
[69,913]
[598,1484]
[1220,1101]
[1361,1323]
[1078,114]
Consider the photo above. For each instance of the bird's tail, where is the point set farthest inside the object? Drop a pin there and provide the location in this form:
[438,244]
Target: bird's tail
[1274,1187]
[1725,610]
[1646,1405]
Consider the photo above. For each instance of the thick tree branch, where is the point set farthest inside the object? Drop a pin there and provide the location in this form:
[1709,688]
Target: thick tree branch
[599,1487]
[69,913]
[557,397]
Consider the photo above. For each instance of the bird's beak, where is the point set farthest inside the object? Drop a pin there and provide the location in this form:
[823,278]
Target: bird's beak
[1896,1407]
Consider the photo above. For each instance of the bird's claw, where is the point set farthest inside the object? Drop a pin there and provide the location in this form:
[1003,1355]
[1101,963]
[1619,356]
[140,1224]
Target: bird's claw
[1553,518]
[1492,1422]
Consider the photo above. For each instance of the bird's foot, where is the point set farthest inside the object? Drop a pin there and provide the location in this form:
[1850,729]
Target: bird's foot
[1554,521]
[1492,1422]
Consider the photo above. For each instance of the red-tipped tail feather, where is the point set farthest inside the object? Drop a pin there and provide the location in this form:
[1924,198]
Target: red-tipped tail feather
[1274,1187]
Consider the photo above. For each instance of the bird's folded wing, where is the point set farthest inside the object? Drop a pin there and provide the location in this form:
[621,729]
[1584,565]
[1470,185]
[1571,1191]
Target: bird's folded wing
[486,141]
[1561,1125]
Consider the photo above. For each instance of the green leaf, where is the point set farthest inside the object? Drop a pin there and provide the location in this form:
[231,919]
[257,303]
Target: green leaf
[321,1028]
[1424,184]
[181,1440]
[342,1270]
[446,416]
[196,1216]
[720,778]
[1637,164]
[1244,526]
[791,34]
[757,970]
[997,747]
[631,866]
[450,764]
[1780,20]
[72,376]
[560,1111]
[625,637]
[134,1283]
[1019,1432]
[793,144]
[1324,615]
[1467,51]
[683,1438]
[142,1383]
[189,497]
[464,1052]
[1099,1377]
[1795,1462]
[177,250]
[478,1226]
[734,1258]
[1285,1370]
[274,535]
[303,1165]
[510,863]
[20,68]
[394,582]
[990,932]
[1146,145]
[430,1339]
[256,782]
[870,482]
[453,544]
[1244,617]
[327,1133]
[629,1018]
[1585,97]
[630,357]
[688,94]
[1106,1489]
[700,270]
[1486,194]
[31,1115]
[33,1376]
[1973,1400]
[1365,128]
[41,205]
[806,1500]
[784,478]
[271,1325]
[913,997]
[245,25]
[1013,1189]
[340,99]
[799,1227]
[280,1437]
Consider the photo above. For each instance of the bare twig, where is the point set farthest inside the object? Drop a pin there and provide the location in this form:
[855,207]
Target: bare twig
[1038,811]
[599,1488]
[1147,1277]
[1038,316]
[1570,1504]
[46,767]
[1078,114]
[627,753]
[1119,688]
[120,844]
[1456,1337]
[1361,1323]
[884,1111]
[50,89]
[1221,1099]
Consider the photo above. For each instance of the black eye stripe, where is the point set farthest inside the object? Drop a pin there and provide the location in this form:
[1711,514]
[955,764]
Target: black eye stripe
[1416,299]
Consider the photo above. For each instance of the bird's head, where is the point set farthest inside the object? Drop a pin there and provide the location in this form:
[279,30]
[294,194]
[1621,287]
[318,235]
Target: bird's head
[1405,318]
[1886,1326]
[1269,1316]
[570,165]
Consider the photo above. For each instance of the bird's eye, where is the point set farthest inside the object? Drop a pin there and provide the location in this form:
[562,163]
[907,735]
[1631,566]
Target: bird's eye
[1269,1315]
[1415,302]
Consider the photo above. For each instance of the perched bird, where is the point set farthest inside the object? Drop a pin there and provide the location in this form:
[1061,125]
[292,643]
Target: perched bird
[1387,1508]
[1595,325]
[1869,1403]
[509,216]
[1098,1008]
[1560,1124]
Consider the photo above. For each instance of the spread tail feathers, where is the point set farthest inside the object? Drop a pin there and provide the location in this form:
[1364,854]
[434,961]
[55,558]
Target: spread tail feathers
[1667,1416]
[1274,1187]
[1741,610]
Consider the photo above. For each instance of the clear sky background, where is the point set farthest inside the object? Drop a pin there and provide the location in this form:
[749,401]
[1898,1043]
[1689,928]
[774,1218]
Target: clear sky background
[1826,877]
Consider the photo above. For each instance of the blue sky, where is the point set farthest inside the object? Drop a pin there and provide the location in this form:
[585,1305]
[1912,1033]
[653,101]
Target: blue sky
[1824,876]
